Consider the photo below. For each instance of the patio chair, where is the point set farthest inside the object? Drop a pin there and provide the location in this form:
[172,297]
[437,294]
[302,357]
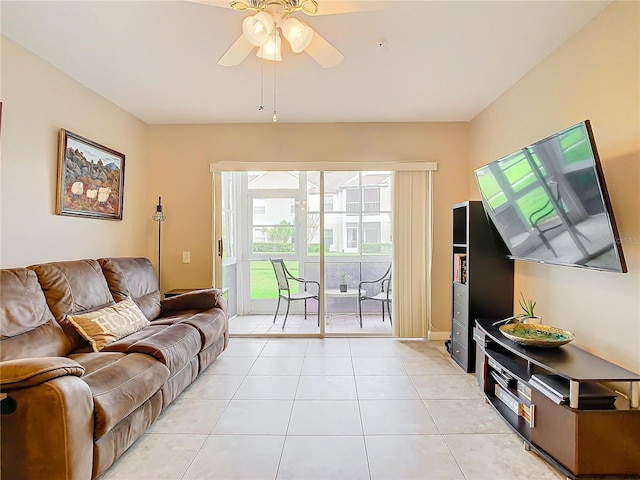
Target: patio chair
[284,290]
[379,290]
[539,221]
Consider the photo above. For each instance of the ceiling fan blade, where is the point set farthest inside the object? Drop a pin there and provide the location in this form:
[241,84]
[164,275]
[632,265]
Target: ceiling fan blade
[332,7]
[236,53]
[323,52]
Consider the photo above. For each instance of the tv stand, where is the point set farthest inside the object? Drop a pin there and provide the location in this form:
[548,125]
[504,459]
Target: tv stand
[554,399]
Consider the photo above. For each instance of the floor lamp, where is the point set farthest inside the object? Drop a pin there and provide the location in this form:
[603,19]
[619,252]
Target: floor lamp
[159,217]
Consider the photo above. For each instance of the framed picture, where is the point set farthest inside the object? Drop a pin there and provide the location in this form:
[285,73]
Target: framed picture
[90,178]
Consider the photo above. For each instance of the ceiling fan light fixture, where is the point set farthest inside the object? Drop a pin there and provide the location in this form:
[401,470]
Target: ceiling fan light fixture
[297,33]
[257,28]
[271,50]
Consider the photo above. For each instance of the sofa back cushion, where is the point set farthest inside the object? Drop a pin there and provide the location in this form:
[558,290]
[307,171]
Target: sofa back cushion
[135,278]
[27,326]
[72,288]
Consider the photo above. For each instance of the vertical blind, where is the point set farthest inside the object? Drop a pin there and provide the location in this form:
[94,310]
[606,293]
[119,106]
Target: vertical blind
[411,259]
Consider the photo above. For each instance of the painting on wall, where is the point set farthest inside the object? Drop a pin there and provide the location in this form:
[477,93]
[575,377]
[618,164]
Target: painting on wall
[90,178]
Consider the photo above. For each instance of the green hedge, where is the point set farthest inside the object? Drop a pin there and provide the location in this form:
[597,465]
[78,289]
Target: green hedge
[315,248]
[277,247]
[271,247]
[384,248]
[376,248]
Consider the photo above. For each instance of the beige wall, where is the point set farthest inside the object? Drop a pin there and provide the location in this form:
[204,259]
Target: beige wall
[38,100]
[596,76]
[181,156]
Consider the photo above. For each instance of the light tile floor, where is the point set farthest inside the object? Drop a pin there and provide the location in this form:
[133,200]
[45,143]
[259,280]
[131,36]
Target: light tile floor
[330,409]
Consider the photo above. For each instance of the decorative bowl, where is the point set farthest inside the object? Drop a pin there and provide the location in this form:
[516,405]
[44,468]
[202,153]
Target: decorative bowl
[543,336]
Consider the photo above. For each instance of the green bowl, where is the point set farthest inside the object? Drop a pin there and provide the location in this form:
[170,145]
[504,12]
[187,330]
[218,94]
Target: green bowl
[543,336]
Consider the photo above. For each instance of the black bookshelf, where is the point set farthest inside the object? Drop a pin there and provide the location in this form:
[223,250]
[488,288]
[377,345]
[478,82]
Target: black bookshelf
[483,286]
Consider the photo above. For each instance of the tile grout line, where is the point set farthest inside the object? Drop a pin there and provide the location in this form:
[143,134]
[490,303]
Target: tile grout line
[293,403]
[444,439]
[235,392]
[364,438]
[182,477]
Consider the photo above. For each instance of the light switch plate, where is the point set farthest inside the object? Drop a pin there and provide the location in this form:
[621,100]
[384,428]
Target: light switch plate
[186,257]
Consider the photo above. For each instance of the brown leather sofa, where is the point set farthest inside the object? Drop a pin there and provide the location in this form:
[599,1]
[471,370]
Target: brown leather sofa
[70,412]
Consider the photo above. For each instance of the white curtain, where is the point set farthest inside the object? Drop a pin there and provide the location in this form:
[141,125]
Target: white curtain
[411,281]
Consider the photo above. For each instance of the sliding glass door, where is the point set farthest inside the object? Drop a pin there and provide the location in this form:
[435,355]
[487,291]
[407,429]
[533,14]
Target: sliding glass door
[330,229]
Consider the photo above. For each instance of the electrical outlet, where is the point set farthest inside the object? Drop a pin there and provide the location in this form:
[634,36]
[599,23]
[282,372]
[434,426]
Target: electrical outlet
[186,257]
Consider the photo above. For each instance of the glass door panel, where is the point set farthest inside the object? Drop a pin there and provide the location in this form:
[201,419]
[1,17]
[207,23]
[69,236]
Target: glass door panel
[357,232]
[276,224]
[272,234]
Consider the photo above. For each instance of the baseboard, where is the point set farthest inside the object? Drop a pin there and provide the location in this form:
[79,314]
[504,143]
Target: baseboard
[438,336]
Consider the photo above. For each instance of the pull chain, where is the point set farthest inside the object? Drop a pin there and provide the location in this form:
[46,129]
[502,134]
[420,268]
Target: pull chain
[275,109]
[261,105]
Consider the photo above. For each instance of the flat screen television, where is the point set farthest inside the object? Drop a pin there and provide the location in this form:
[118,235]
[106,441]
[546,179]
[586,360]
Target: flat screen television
[549,203]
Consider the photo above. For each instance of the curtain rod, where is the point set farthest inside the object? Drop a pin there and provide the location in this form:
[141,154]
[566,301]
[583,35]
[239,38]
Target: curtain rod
[408,166]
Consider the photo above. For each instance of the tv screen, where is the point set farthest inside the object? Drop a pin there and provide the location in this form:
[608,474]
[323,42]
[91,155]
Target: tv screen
[549,202]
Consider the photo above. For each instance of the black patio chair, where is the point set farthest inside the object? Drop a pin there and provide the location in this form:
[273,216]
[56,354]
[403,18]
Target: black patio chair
[539,221]
[379,290]
[284,290]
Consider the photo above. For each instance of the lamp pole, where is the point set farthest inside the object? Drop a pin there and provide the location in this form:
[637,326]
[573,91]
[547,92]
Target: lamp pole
[159,217]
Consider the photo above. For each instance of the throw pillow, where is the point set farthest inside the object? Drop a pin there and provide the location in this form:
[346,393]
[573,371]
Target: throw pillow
[109,324]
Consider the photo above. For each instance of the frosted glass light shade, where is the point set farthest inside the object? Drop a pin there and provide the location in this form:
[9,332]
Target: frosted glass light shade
[257,28]
[271,50]
[297,33]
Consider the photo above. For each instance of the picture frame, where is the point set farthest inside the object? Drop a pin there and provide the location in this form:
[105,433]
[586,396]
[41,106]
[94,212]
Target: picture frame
[90,178]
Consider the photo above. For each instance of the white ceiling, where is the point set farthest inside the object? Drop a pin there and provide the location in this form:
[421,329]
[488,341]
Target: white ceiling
[442,60]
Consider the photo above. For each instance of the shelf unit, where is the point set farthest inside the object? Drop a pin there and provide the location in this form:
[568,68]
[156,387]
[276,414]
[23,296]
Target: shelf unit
[486,291]
[582,442]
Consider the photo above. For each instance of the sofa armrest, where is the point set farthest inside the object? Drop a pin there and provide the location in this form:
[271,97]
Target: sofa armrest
[49,433]
[29,372]
[197,300]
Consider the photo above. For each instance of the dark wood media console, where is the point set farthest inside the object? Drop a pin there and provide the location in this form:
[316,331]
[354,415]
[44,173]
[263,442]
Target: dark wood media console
[583,430]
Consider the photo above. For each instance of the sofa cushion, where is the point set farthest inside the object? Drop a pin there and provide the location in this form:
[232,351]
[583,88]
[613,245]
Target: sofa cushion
[72,288]
[109,324]
[172,345]
[211,324]
[27,326]
[204,299]
[119,383]
[135,278]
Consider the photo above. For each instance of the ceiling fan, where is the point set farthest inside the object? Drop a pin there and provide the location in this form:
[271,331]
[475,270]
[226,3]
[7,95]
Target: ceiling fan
[275,19]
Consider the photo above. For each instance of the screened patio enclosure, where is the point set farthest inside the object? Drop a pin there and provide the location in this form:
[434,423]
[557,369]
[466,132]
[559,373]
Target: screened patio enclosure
[336,222]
